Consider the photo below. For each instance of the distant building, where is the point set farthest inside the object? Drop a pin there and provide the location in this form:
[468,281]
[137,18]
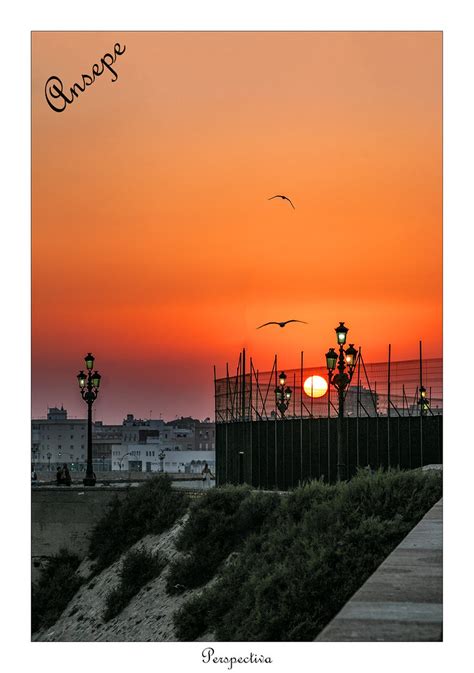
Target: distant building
[103,437]
[57,440]
[146,458]
[368,402]
[205,436]
[143,441]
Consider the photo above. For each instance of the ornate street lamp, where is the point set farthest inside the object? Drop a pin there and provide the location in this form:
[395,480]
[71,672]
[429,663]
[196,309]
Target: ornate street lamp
[89,386]
[345,363]
[121,459]
[282,395]
[423,401]
[162,456]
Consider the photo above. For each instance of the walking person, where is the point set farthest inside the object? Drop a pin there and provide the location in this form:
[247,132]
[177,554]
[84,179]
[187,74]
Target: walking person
[66,475]
[206,476]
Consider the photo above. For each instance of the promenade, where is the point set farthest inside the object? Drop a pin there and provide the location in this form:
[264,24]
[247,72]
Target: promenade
[402,600]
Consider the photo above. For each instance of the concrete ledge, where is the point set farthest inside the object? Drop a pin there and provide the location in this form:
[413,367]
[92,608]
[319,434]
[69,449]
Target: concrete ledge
[403,600]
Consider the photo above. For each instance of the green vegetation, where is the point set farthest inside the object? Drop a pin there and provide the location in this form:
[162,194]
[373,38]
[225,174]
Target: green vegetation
[314,550]
[57,585]
[150,508]
[218,523]
[138,568]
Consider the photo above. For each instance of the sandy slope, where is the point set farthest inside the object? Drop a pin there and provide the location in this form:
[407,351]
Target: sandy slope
[148,617]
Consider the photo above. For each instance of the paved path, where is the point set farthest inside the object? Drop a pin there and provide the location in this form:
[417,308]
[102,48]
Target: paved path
[402,600]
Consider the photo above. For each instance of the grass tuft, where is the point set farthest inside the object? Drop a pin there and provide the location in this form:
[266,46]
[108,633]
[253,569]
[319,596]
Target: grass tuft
[138,568]
[151,508]
[56,586]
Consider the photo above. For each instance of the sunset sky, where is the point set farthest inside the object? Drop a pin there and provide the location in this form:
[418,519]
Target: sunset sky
[154,244]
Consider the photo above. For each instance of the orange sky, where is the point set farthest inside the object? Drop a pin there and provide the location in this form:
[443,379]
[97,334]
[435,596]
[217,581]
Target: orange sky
[155,245]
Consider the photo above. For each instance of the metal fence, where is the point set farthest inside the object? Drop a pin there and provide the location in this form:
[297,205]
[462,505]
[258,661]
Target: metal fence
[384,425]
[377,389]
[283,453]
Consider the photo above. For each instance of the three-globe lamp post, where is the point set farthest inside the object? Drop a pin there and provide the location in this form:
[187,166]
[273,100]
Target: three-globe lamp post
[346,360]
[282,394]
[89,386]
[423,401]
[162,456]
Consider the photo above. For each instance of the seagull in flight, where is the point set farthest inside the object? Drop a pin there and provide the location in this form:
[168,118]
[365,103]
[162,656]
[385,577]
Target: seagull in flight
[281,324]
[281,196]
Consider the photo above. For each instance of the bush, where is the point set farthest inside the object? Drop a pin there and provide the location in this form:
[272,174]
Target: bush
[56,586]
[151,508]
[138,568]
[311,555]
[218,523]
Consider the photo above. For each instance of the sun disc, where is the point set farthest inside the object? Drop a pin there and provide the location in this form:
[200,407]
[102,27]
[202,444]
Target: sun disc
[315,386]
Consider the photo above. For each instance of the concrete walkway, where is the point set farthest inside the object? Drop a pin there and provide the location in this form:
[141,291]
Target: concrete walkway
[402,600]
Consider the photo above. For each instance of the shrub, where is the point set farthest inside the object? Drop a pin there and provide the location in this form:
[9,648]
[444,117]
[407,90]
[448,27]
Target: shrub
[138,568]
[217,524]
[151,508]
[311,555]
[56,586]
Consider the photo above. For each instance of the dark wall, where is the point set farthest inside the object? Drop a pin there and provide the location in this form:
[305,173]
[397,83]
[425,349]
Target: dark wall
[63,517]
[285,452]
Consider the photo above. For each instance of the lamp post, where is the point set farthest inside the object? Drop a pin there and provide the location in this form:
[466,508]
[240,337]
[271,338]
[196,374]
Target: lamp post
[282,395]
[89,385]
[423,401]
[121,459]
[161,456]
[346,360]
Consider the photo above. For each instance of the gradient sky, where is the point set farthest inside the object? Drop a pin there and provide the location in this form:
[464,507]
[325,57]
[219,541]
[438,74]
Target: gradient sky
[154,244]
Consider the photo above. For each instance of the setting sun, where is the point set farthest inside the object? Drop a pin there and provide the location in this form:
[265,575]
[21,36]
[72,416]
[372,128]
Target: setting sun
[315,386]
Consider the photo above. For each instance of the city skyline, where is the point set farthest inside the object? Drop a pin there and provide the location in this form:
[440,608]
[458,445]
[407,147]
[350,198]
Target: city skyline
[154,243]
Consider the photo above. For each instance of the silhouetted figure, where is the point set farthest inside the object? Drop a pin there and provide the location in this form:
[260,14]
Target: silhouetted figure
[206,476]
[281,324]
[66,475]
[59,476]
[281,196]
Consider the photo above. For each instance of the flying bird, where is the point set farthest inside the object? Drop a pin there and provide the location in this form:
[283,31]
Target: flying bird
[281,324]
[281,196]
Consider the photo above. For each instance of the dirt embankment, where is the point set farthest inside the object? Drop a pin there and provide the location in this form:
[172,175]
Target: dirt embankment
[148,617]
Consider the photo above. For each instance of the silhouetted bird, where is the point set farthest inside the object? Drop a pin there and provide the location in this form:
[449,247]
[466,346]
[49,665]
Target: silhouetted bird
[281,196]
[282,324]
